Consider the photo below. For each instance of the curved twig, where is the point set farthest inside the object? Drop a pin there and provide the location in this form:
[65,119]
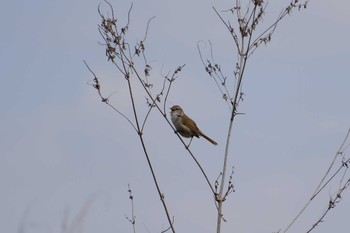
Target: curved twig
[321,184]
[230,29]
[129,13]
[97,86]
[144,121]
[148,23]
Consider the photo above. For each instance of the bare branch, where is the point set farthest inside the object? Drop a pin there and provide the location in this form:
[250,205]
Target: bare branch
[163,231]
[331,204]
[171,80]
[129,13]
[97,86]
[215,72]
[322,184]
[230,29]
[150,107]
[148,23]
[132,220]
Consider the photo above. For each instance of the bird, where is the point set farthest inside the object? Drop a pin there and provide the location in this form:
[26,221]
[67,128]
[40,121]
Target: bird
[185,126]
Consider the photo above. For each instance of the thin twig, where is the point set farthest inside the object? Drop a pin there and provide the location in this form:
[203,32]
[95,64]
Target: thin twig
[331,204]
[230,29]
[319,188]
[210,69]
[144,121]
[132,220]
[129,13]
[97,86]
[148,23]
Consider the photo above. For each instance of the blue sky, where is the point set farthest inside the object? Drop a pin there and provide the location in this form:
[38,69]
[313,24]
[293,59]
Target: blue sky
[60,147]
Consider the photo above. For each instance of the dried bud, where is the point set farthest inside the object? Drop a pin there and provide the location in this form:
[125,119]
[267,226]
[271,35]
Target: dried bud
[258,2]
[243,27]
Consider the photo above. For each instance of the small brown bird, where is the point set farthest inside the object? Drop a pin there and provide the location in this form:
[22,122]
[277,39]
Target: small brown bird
[185,126]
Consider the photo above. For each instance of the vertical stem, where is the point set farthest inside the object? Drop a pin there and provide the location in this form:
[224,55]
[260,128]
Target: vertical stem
[220,198]
[243,56]
[126,65]
[157,185]
[147,157]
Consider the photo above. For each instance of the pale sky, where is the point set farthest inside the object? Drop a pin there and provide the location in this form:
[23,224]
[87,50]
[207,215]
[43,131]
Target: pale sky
[61,148]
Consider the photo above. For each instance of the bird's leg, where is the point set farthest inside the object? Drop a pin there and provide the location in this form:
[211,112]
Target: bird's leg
[189,143]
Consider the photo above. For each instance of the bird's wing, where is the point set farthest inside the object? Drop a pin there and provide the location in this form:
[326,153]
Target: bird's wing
[191,125]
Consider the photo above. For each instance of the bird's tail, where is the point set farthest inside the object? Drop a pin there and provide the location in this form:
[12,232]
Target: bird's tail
[208,138]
